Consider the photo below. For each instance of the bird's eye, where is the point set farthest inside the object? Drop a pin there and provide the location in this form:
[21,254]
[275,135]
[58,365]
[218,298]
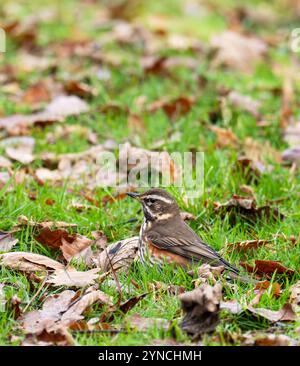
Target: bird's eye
[150,200]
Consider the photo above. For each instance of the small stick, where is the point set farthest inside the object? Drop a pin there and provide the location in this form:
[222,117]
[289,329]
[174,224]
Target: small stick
[36,294]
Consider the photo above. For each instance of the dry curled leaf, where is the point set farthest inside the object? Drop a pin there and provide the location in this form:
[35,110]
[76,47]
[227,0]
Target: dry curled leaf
[24,221]
[245,103]
[5,163]
[75,311]
[52,238]
[246,209]
[237,51]
[129,304]
[286,313]
[295,295]
[245,245]
[173,107]
[22,154]
[59,311]
[268,340]
[37,93]
[292,155]
[77,247]
[36,321]
[61,337]
[73,278]
[225,137]
[273,287]
[231,306]
[82,90]
[136,124]
[201,309]
[56,111]
[208,274]
[123,307]
[153,64]
[7,241]
[44,175]
[267,267]
[29,262]
[2,297]
[119,255]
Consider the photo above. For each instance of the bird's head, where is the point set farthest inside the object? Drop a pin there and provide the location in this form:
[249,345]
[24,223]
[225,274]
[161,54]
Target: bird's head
[157,204]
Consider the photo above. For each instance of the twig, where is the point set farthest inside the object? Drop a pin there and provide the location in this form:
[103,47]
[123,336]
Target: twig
[36,294]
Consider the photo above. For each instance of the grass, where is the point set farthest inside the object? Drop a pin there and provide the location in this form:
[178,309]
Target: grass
[222,179]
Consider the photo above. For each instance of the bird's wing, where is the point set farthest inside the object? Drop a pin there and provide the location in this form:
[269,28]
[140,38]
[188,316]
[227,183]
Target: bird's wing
[183,241]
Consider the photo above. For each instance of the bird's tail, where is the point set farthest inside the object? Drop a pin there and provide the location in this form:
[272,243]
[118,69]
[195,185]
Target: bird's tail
[234,273]
[245,279]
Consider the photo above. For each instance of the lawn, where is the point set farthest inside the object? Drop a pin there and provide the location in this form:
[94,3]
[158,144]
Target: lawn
[97,50]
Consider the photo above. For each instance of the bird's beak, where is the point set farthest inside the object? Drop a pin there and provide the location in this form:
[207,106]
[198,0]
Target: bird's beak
[133,195]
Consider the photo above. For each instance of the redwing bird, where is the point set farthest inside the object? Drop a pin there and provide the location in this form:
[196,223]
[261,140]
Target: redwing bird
[164,236]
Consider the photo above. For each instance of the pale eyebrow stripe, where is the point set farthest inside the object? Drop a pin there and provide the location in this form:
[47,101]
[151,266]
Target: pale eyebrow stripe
[157,197]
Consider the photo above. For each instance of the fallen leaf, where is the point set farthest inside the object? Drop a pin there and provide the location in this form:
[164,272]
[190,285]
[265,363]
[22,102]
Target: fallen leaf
[7,241]
[237,51]
[247,245]
[52,238]
[141,324]
[267,267]
[201,308]
[247,189]
[73,278]
[260,151]
[23,220]
[56,111]
[245,208]
[118,256]
[225,137]
[66,106]
[15,302]
[78,248]
[60,311]
[2,298]
[43,175]
[286,313]
[287,103]
[231,306]
[36,321]
[153,65]
[124,307]
[82,90]
[58,338]
[265,285]
[75,311]
[130,157]
[272,340]
[5,163]
[129,304]
[29,262]
[292,155]
[295,295]
[36,94]
[208,274]
[136,124]
[22,154]
[173,107]
[245,103]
